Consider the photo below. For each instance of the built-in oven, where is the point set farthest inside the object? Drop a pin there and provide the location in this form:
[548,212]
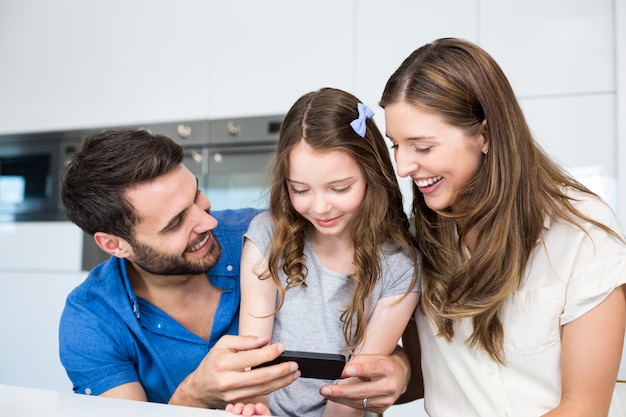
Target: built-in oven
[30,167]
[239,156]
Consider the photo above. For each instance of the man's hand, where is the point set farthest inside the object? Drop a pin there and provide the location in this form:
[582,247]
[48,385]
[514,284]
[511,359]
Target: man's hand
[225,376]
[381,380]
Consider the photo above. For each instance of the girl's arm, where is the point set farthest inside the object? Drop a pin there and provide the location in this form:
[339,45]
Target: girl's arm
[384,329]
[258,296]
[258,302]
[590,358]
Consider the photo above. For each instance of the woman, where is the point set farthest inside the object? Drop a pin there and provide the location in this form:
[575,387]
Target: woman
[523,305]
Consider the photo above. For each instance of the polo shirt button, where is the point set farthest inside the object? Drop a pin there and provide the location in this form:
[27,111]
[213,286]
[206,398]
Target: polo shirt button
[88,391]
[229,268]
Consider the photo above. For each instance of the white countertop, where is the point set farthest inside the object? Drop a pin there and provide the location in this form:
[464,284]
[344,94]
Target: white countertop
[30,402]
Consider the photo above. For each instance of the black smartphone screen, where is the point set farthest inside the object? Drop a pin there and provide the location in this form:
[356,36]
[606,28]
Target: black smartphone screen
[313,364]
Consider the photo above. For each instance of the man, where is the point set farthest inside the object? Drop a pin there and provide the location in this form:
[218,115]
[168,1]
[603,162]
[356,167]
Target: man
[147,324]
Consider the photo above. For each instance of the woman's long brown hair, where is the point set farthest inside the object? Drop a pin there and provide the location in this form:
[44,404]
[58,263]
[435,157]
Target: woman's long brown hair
[503,208]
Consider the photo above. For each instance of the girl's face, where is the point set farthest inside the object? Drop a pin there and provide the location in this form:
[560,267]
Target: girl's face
[326,188]
[439,157]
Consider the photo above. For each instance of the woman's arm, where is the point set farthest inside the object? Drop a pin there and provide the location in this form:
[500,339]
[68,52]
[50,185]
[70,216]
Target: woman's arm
[384,330]
[379,378]
[590,358]
[411,345]
[387,324]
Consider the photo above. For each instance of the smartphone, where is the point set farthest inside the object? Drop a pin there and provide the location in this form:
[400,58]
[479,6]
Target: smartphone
[313,364]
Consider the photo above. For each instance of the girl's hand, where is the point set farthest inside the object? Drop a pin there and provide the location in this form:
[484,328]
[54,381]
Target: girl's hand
[241,409]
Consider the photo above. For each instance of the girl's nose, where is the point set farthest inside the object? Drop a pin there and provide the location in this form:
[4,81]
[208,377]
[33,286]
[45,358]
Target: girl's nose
[320,204]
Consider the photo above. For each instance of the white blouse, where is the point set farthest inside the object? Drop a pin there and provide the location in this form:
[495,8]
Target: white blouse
[568,273]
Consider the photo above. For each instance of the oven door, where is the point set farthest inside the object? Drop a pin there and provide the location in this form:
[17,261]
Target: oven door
[29,179]
[238,176]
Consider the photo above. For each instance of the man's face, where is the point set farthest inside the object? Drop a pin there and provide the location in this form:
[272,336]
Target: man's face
[173,235]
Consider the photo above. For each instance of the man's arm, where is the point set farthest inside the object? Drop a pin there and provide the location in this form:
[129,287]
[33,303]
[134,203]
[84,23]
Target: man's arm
[225,376]
[130,391]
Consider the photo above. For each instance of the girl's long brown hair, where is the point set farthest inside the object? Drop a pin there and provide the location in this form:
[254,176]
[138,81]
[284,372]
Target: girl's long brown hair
[322,119]
[502,208]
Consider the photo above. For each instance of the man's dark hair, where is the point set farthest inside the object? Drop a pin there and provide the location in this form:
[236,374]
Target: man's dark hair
[110,162]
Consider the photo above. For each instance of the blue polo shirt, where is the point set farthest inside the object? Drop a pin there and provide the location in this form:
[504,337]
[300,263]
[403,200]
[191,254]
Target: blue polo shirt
[109,337]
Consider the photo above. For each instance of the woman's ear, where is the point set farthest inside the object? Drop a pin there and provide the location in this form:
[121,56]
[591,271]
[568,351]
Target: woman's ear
[112,244]
[483,132]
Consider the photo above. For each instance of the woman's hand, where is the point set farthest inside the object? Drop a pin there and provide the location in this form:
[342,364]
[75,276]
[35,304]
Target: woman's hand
[380,380]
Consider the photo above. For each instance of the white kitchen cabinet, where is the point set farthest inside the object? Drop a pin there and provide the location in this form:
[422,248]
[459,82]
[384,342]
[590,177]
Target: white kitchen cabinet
[31,308]
[577,130]
[150,61]
[266,54]
[43,76]
[559,56]
[40,247]
[87,63]
[549,47]
[387,32]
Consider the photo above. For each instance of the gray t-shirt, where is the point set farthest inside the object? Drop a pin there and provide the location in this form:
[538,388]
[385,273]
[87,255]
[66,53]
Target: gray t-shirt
[309,319]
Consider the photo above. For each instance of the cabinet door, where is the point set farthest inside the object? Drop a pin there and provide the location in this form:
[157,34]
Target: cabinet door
[559,56]
[387,32]
[552,47]
[84,63]
[268,53]
[43,78]
[149,61]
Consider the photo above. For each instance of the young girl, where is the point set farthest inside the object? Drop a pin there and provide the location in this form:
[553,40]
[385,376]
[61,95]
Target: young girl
[331,267]
[523,303]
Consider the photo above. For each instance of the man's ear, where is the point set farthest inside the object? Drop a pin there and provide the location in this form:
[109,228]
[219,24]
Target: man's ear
[112,244]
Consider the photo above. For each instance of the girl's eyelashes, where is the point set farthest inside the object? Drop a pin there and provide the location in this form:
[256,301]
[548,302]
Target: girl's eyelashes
[335,189]
[296,191]
[342,190]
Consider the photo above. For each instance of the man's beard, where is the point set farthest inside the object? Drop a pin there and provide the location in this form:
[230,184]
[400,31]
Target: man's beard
[155,262]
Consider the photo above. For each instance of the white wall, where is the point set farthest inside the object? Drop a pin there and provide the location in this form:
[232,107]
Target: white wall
[89,63]
[620,110]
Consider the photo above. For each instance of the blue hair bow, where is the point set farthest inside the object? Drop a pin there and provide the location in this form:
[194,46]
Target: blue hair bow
[358,125]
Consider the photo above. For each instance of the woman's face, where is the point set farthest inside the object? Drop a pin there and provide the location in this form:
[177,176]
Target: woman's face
[439,157]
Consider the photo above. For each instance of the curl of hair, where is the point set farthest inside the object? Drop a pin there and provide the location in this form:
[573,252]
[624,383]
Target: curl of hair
[502,209]
[110,163]
[322,120]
